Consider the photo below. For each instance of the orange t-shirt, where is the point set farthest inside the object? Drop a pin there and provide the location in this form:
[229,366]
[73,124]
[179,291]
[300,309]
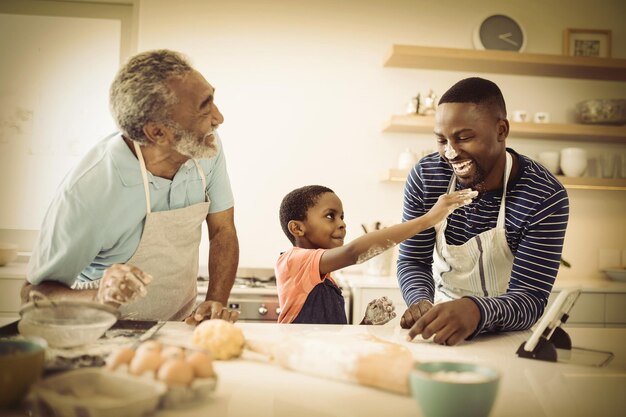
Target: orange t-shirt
[297,273]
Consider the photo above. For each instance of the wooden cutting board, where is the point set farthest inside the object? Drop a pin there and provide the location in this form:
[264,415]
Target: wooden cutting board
[361,359]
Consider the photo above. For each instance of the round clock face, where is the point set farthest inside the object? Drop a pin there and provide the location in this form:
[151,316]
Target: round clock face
[500,32]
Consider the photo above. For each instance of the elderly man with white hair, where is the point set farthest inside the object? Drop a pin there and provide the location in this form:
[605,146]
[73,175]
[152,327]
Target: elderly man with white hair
[125,225]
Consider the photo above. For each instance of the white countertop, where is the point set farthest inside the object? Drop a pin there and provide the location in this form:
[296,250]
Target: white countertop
[249,386]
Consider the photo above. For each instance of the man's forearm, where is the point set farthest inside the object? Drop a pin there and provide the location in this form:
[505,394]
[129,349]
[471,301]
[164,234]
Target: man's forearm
[55,290]
[223,262]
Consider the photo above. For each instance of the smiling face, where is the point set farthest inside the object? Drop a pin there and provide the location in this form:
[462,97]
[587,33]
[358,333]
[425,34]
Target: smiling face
[324,226]
[472,139]
[194,117]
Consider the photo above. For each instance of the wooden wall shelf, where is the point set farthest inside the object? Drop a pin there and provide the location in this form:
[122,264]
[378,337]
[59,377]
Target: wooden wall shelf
[556,131]
[505,62]
[570,183]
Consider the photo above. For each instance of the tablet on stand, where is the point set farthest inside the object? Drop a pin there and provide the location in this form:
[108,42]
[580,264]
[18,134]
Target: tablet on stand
[550,342]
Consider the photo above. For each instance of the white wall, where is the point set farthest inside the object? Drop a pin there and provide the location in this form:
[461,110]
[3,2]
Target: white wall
[305,94]
[53,105]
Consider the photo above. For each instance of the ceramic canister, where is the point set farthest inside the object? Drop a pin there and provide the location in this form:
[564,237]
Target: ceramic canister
[573,161]
[550,160]
[407,159]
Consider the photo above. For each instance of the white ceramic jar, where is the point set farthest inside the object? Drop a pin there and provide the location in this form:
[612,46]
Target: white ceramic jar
[573,162]
[407,159]
[550,160]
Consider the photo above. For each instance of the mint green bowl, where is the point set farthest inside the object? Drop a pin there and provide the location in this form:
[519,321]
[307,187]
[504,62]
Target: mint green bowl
[450,389]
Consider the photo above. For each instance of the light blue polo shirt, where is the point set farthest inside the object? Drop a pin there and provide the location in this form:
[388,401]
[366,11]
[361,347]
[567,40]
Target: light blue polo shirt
[97,215]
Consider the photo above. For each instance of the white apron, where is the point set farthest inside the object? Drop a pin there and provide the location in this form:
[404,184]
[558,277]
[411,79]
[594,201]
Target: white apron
[168,250]
[481,266]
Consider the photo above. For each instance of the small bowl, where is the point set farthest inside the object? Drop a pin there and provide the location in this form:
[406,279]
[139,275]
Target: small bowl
[66,323]
[21,364]
[616,274]
[8,253]
[446,389]
[98,393]
[602,111]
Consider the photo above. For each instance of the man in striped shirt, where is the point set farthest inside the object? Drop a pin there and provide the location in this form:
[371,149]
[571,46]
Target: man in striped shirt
[490,265]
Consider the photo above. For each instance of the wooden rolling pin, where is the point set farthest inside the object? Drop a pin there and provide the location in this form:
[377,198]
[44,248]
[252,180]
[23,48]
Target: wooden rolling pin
[361,359]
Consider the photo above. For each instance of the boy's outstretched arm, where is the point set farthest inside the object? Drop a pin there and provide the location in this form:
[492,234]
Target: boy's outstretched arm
[374,243]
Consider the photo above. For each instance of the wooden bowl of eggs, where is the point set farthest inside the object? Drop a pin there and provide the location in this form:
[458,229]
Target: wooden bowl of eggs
[188,373]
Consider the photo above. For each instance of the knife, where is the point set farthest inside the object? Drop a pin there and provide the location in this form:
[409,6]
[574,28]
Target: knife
[149,334]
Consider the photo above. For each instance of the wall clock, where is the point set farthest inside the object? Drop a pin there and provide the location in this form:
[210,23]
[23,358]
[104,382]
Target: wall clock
[500,32]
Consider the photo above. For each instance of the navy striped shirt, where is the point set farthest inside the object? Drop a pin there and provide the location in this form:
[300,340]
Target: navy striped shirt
[536,214]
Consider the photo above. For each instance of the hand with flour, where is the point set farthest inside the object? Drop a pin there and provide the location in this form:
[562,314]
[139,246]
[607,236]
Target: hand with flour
[121,284]
[379,311]
[209,310]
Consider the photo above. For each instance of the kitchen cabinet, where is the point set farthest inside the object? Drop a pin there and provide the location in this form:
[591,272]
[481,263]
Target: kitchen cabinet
[597,309]
[506,62]
[601,304]
[12,277]
[587,312]
[10,303]
[363,296]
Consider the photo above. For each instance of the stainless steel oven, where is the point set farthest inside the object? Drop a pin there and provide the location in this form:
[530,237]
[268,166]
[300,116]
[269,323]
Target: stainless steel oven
[254,295]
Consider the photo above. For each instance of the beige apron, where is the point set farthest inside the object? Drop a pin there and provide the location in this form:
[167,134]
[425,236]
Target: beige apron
[481,266]
[168,250]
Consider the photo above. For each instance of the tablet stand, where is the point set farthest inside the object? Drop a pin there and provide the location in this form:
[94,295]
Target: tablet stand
[549,342]
[558,348]
[546,347]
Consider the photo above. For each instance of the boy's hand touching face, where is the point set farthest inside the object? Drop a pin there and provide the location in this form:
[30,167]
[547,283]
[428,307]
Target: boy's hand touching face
[447,203]
[379,311]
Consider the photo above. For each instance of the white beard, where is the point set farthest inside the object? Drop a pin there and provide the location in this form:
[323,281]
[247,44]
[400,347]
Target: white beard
[190,145]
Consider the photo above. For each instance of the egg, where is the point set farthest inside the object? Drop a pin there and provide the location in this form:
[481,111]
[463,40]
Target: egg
[151,345]
[145,361]
[121,356]
[201,363]
[175,372]
[172,352]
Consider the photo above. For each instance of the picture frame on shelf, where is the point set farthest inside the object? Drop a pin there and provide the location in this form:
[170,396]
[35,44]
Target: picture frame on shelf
[587,42]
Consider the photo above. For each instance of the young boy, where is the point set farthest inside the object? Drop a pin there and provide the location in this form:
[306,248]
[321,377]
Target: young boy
[312,219]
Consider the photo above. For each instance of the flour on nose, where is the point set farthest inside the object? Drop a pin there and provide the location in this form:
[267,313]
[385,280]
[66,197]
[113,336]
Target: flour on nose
[449,152]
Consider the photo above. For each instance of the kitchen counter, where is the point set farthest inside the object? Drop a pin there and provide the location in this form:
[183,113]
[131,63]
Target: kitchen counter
[252,386]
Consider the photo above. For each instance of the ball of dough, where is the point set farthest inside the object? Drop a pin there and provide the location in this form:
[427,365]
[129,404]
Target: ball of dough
[220,337]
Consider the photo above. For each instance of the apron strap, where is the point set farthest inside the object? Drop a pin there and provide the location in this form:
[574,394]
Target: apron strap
[144,175]
[507,173]
[201,173]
